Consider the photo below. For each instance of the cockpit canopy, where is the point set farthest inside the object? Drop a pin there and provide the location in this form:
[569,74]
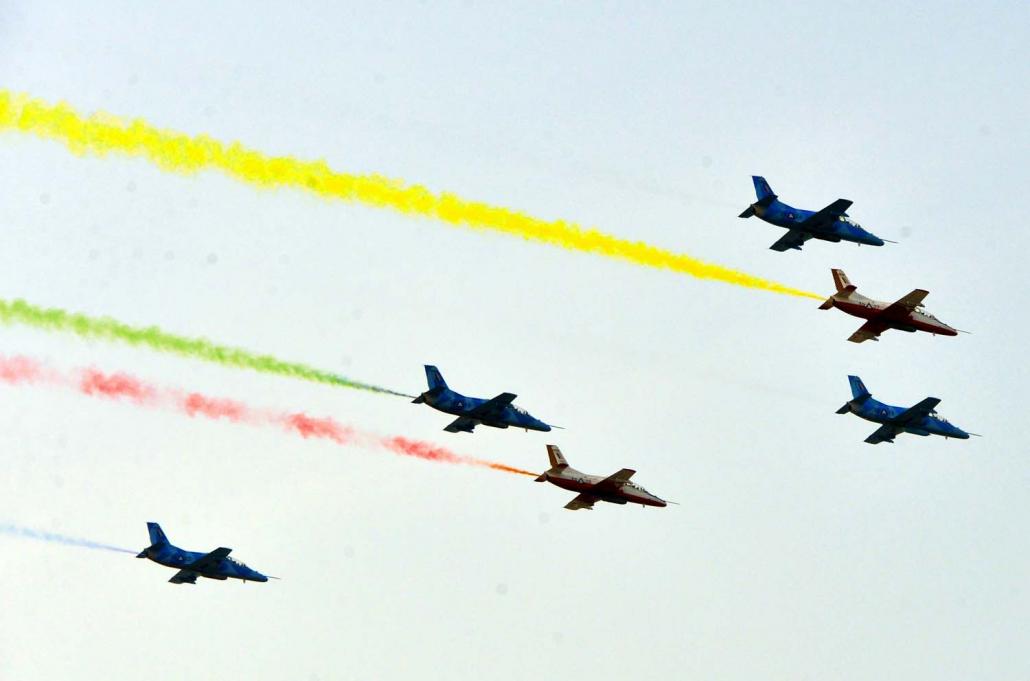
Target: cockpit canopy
[846,219]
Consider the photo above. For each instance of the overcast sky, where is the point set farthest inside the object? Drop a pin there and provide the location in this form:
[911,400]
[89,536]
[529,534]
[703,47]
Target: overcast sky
[798,551]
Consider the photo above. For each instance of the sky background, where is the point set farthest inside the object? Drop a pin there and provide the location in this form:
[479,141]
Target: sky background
[798,551]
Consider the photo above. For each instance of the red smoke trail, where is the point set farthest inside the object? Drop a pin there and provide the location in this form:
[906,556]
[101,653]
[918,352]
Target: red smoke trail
[318,428]
[431,452]
[94,382]
[195,403]
[21,370]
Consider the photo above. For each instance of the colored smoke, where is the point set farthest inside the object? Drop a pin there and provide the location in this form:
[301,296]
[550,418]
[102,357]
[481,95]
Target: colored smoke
[42,535]
[102,134]
[104,328]
[122,386]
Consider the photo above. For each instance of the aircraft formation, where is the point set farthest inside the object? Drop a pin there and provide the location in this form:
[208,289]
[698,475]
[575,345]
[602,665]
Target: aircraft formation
[831,224]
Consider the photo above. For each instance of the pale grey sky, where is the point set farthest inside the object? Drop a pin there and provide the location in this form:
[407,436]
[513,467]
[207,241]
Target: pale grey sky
[798,552]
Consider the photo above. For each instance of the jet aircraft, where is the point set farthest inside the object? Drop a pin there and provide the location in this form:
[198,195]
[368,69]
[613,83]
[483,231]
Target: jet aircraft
[214,565]
[906,314]
[920,419]
[497,412]
[615,489]
[829,224]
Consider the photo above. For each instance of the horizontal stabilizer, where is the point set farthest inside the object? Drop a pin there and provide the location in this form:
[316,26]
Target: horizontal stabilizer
[419,400]
[747,213]
[845,409]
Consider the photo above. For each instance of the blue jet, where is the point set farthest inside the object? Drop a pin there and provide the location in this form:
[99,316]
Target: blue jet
[497,412]
[214,565]
[829,224]
[920,419]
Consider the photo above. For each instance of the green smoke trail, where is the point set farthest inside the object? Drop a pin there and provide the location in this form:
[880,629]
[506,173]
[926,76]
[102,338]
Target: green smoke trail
[104,328]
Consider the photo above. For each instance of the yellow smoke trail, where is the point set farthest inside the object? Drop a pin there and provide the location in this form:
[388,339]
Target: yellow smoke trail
[177,152]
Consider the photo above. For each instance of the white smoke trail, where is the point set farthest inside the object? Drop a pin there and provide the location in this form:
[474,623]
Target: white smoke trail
[42,535]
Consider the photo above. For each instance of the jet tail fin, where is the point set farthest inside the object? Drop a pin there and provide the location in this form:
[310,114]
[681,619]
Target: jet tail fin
[762,188]
[555,455]
[842,282]
[434,378]
[858,389]
[157,536]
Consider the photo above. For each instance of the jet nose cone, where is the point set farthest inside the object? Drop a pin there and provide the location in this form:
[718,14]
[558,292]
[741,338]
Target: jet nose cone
[875,241]
[259,578]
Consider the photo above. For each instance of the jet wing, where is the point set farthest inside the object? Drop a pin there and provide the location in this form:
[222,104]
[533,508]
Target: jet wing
[613,482]
[884,433]
[792,239]
[462,424]
[491,409]
[209,559]
[904,306]
[827,215]
[871,330]
[184,577]
[583,500]
[917,412]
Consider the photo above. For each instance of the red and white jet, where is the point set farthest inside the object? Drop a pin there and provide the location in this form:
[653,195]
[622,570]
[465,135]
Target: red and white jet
[906,314]
[615,489]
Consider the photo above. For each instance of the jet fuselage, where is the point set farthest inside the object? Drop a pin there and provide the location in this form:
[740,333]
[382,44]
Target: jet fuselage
[842,229]
[858,305]
[577,481]
[450,402]
[174,557]
[878,412]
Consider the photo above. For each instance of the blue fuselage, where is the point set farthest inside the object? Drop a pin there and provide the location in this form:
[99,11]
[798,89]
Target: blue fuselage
[174,557]
[878,412]
[841,229]
[450,402]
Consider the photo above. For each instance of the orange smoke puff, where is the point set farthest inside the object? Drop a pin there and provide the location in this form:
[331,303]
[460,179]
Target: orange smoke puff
[18,370]
[214,408]
[322,428]
[115,385]
[507,469]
